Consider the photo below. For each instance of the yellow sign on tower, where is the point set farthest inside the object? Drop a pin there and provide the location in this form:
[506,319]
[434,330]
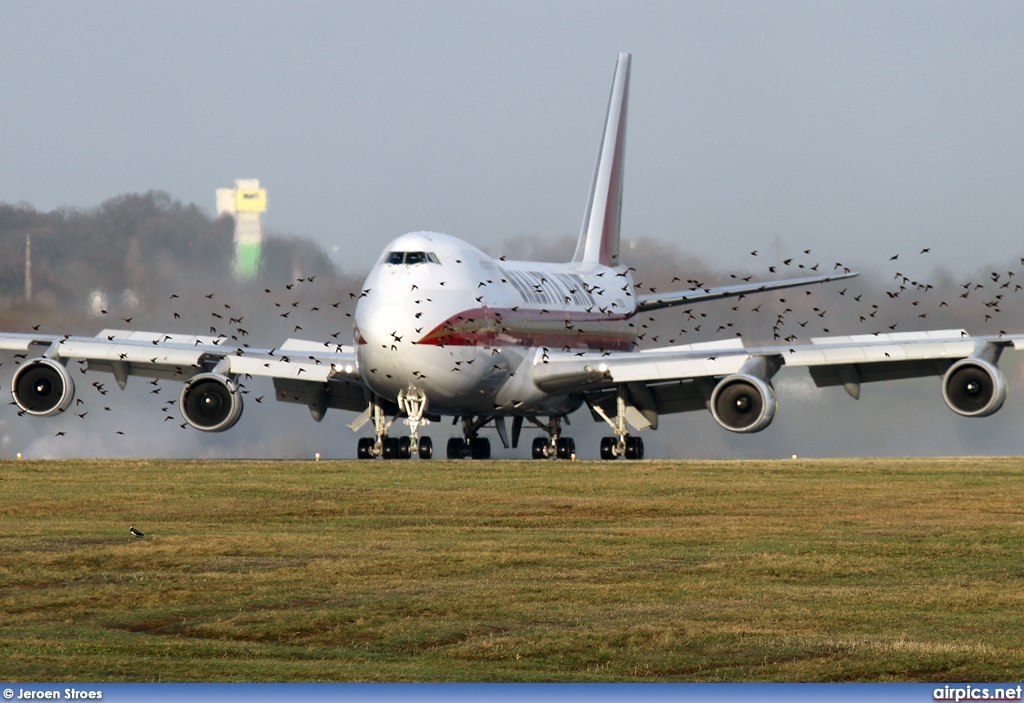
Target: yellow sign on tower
[251,200]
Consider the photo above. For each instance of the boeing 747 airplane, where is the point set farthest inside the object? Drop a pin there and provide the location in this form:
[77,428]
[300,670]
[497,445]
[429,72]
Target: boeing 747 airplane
[443,329]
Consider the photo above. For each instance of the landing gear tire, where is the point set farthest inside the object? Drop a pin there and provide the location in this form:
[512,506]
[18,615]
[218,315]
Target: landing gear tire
[539,443]
[608,447]
[404,448]
[426,448]
[634,448]
[390,449]
[364,448]
[565,447]
[480,448]
[456,448]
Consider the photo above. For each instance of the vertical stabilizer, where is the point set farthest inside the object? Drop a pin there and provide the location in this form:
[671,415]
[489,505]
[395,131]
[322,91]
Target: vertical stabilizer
[599,237]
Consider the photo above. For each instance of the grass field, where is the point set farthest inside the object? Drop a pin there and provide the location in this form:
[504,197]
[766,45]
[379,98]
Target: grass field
[808,570]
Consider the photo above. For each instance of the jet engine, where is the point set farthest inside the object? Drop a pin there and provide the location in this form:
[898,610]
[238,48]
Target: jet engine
[742,403]
[973,387]
[43,387]
[210,402]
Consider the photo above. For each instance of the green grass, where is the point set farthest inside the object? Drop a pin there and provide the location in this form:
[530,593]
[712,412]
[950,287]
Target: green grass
[839,570]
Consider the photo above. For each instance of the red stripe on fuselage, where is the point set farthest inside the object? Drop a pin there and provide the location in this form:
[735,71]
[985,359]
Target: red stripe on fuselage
[527,327]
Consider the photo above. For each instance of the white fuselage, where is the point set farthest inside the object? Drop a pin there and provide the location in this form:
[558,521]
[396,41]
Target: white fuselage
[438,314]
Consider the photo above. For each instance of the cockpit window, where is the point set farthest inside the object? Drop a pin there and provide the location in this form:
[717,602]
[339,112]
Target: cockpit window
[411,257]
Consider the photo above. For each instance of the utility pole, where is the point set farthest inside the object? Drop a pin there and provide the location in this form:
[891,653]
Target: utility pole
[28,267]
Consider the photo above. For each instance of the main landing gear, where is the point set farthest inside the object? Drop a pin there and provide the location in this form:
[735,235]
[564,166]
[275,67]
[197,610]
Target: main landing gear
[413,403]
[554,446]
[470,445]
[620,444]
[630,447]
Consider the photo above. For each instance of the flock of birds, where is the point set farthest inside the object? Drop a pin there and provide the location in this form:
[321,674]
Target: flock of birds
[887,299]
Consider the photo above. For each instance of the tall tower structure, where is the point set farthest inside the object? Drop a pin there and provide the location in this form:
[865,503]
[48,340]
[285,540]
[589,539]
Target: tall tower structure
[245,202]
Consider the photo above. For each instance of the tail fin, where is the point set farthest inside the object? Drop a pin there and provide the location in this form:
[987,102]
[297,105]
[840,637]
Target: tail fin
[599,238]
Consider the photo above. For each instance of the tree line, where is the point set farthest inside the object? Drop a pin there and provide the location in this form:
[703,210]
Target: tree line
[148,243]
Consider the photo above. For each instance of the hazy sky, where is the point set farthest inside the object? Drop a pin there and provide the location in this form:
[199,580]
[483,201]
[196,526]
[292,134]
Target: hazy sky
[857,129]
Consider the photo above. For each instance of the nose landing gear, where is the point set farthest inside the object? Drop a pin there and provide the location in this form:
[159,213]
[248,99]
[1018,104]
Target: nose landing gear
[413,402]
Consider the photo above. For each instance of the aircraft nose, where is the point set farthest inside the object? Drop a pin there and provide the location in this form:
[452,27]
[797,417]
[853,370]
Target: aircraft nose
[387,329]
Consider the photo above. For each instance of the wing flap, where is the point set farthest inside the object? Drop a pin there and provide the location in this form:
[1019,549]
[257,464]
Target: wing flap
[564,372]
[881,348]
[343,396]
[94,350]
[24,342]
[880,371]
[680,397]
[279,368]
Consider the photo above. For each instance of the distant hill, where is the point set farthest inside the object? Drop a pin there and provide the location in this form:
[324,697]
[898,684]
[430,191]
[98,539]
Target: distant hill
[146,243]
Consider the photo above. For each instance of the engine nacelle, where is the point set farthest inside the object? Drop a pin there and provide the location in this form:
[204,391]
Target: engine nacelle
[43,387]
[210,402]
[974,388]
[742,403]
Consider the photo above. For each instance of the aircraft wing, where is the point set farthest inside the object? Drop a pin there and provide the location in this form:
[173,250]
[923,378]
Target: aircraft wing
[656,301]
[320,375]
[720,375]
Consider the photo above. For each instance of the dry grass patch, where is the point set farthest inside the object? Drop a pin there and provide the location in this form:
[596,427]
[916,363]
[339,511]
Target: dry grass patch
[805,570]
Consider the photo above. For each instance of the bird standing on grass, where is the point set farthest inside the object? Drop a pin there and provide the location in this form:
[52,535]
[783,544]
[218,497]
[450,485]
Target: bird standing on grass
[134,532]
